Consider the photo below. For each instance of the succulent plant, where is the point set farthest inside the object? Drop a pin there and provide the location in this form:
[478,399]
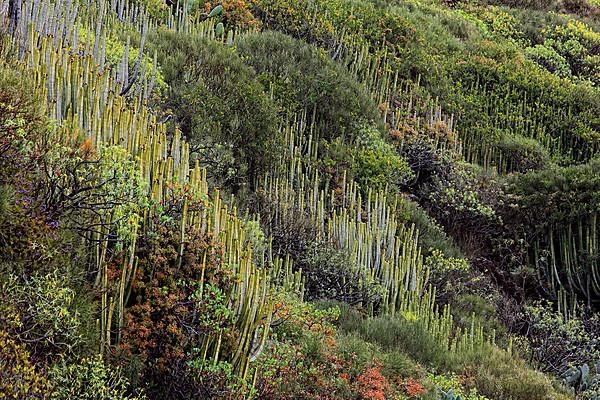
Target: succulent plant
[215,12]
[450,395]
[219,29]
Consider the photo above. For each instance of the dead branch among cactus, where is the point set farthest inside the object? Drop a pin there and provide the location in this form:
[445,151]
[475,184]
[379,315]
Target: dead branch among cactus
[138,64]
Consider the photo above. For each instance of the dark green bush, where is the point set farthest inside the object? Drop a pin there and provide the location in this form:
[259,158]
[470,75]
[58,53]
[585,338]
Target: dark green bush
[431,234]
[426,160]
[558,341]
[557,194]
[465,203]
[220,106]
[448,275]
[522,154]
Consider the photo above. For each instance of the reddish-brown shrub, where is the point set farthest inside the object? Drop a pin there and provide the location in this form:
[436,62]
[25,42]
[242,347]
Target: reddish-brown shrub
[372,384]
[165,320]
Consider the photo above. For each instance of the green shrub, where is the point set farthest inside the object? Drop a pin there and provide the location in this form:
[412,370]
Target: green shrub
[536,4]
[549,59]
[582,7]
[399,364]
[498,21]
[533,23]
[89,379]
[523,154]
[431,234]
[44,315]
[302,77]
[579,45]
[450,387]
[449,275]
[494,373]
[220,106]
[377,165]
[256,239]
[349,315]
[426,160]
[294,320]
[23,125]
[464,203]
[552,195]
[409,337]
[158,9]
[499,375]
[443,265]
[85,184]
[322,22]
[466,308]
[557,342]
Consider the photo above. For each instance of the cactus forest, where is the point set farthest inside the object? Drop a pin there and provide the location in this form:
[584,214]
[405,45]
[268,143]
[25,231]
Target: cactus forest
[300,199]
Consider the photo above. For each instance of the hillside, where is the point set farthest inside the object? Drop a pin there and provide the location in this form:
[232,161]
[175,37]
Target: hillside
[283,199]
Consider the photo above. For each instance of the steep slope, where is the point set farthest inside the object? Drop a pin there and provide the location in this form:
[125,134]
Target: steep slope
[275,199]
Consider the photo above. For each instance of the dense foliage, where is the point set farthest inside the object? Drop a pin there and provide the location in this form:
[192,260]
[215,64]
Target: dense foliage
[278,199]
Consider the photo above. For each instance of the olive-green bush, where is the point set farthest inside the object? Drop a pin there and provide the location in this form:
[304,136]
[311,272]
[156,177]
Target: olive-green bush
[302,77]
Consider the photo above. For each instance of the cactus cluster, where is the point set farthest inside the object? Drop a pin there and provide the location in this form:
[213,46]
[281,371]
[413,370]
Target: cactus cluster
[86,100]
[369,229]
[566,254]
[558,255]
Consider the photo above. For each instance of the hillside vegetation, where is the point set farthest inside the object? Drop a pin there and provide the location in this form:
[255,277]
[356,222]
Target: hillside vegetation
[283,199]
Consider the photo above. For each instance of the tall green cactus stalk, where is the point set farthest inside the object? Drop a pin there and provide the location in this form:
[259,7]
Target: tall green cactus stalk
[567,257]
